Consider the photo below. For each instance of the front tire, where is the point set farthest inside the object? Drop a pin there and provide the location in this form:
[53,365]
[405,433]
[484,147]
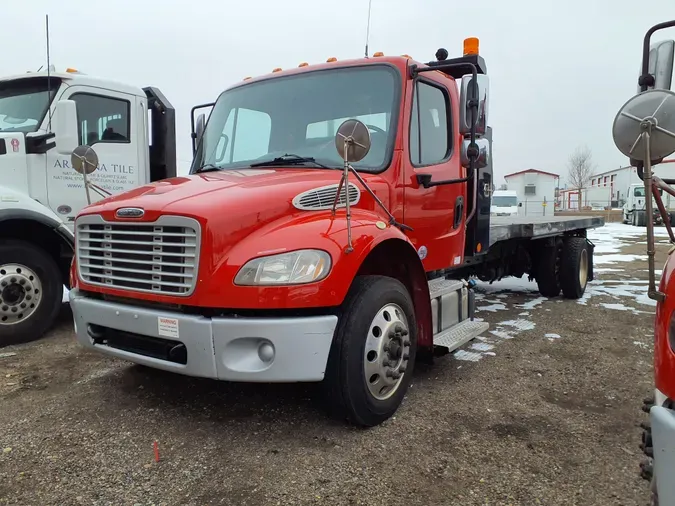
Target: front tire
[31,291]
[373,352]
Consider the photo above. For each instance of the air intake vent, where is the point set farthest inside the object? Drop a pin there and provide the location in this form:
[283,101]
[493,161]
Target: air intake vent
[323,198]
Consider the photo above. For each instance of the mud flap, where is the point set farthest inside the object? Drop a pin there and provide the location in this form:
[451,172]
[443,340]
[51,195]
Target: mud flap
[590,248]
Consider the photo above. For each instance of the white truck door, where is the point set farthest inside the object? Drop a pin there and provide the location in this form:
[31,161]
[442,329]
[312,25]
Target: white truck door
[109,122]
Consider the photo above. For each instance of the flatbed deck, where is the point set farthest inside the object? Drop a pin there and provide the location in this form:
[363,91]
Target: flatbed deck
[512,227]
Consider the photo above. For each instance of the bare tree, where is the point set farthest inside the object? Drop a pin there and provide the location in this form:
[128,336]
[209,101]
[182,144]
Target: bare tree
[581,168]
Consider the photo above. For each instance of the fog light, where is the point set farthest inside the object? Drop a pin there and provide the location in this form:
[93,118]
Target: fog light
[266,352]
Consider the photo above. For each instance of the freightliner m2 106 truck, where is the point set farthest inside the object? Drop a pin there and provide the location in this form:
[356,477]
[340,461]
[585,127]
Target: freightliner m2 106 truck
[329,231]
[43,117]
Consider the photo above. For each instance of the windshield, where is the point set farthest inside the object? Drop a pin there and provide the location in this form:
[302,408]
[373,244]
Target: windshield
[504,201]
[23,104]
[640,191]
[299,115]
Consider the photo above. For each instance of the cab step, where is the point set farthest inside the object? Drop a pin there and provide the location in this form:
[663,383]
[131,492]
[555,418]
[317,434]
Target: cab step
[460,334]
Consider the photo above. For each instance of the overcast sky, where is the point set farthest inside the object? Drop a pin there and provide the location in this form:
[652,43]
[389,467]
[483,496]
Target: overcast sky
[559,70]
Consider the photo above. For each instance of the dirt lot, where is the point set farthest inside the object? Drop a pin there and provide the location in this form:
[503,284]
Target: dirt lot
[538,419]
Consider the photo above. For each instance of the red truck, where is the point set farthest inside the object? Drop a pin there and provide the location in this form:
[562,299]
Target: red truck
[329,231]
[644,130]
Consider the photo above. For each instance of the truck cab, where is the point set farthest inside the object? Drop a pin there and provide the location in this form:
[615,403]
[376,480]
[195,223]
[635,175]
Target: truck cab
[327,232]
[44,116]
[635,210]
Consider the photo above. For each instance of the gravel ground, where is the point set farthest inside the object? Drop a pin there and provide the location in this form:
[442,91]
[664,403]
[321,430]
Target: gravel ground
[548,415]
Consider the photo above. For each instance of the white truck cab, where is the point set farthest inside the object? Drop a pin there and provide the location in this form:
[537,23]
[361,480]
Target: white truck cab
[44,116]
[635,208]
[504,203]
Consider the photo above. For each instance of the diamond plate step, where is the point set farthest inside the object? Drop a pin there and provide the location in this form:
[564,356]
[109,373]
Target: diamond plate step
[460,334]
[442,286]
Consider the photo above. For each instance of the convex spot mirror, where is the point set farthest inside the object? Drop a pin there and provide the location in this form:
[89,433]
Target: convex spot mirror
[352,140]
[482,89]
[483,159]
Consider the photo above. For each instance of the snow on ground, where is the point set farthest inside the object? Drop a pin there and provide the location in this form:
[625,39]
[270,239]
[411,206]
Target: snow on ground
[630,294]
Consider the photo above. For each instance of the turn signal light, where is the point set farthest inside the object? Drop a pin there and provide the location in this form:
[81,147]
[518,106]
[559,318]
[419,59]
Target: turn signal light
[278,69]
[470,46]
[331,59]
[303,64]
[407,56]
[247,78]
[71,70]
[379,53]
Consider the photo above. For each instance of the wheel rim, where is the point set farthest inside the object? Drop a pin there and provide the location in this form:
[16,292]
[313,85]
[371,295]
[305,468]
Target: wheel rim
[386,352]
[583,268]
[20,293]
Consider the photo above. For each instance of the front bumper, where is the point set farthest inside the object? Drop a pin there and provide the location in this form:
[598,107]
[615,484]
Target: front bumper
[290,349]
[662,423]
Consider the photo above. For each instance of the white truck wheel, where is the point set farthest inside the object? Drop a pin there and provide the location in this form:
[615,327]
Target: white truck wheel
[31,291]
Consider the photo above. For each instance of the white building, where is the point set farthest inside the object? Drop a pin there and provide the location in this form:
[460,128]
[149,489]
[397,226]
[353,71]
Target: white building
[620,179]
[536,190]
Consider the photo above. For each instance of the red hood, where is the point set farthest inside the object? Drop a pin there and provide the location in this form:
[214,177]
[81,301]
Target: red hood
[232,205]
[206,196]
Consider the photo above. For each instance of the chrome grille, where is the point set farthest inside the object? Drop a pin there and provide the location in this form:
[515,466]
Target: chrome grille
[324,197]
[157,257]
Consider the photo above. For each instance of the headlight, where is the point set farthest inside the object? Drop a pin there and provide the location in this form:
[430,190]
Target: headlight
[293,268]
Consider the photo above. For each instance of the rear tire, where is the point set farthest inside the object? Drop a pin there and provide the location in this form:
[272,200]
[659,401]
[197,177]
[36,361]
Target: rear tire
[641,219]
[31,292]
[365,340]
[574,267]
[548,269]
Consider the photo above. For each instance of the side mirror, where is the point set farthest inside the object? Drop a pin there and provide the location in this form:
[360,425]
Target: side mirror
[199,127]
[67,137]
[520,204]
[480,90]
[483,159]
[661,56]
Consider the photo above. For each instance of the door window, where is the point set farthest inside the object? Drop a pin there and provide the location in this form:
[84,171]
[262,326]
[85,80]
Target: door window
[102,119]
[429,132]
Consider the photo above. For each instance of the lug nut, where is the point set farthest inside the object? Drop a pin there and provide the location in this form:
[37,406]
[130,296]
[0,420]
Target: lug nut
[405,332]
[402,369]
[405,356]
[396,375]
[406,343]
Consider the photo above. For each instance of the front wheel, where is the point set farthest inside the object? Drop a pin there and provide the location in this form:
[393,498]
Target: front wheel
[31,292]
[373,352]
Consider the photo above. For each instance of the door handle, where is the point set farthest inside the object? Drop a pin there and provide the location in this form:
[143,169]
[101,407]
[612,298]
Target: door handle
[459,211]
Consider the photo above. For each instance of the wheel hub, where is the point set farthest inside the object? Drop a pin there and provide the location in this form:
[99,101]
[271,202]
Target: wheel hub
[387,351]
[20,293]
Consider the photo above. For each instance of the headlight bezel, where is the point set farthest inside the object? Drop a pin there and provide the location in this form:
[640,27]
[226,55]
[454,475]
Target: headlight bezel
[251,272]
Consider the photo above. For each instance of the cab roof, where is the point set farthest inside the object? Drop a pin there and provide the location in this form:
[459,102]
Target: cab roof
[79,78]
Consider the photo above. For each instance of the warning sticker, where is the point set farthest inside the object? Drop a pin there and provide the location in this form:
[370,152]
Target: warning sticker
[15,145]
[167,327]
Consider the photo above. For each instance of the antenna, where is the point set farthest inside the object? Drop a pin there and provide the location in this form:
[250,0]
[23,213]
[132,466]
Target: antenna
[370,4]
[49,75]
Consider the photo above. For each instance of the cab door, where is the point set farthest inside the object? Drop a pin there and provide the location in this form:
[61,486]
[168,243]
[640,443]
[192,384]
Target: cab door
[109,122]
[436,214]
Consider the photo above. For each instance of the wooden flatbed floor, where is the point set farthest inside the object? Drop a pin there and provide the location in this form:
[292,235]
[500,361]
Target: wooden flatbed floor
[511,227]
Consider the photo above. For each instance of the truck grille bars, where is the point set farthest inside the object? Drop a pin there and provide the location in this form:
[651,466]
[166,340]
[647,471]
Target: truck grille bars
[156,257]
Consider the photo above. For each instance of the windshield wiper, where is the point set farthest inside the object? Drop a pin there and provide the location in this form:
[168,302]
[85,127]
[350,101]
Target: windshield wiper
[287,159]
[209,167]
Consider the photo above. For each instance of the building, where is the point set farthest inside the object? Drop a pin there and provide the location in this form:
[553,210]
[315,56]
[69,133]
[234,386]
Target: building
[536,190]
[620,179]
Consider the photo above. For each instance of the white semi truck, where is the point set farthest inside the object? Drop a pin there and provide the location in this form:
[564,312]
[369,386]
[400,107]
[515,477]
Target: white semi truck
[44,116]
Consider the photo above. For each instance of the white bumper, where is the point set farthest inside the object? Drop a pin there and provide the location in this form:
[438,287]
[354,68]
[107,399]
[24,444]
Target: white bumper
[290,349]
